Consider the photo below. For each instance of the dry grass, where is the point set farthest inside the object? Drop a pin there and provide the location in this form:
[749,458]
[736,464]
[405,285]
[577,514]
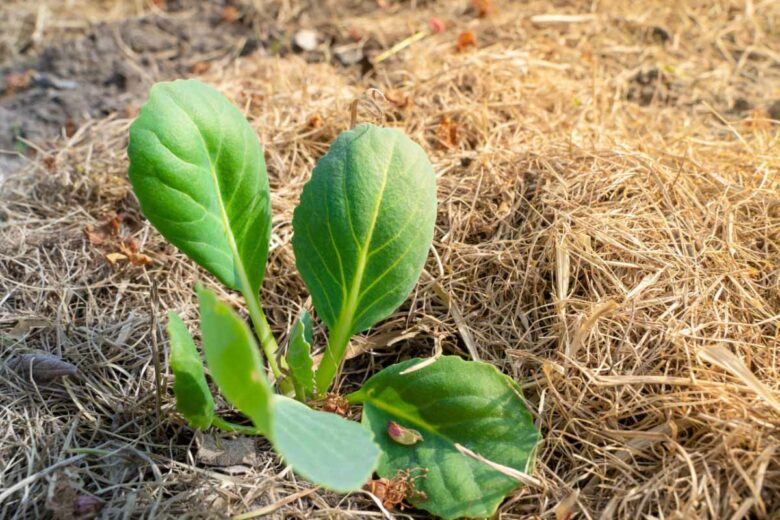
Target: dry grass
[613,245]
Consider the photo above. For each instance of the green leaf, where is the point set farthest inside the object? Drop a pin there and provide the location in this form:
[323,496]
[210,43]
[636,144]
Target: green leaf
[324,448]
[451,401]
[362,232]
[198,171]
[299,357]
[193,397]
[234,360]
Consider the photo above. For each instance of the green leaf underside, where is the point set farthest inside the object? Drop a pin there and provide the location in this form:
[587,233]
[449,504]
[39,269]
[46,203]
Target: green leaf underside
[234,360]
[199,173]
[451,401]
[362,231]
[299,357]
[193,397]
[324,448]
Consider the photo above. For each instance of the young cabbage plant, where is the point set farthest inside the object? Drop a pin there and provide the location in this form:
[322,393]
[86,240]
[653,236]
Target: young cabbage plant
[362,232]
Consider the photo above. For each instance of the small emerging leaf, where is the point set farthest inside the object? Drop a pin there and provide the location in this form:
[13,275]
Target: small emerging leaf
[198,171]
[234,360]
[324,448]
[451,402]
[401,435]
[193,398]
[299,357]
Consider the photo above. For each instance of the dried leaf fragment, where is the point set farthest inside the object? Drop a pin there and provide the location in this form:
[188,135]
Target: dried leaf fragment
[447,132]
[109,235]
[230,13]
[226,451]
[115,258]
[334,403]
[43,367]
[16,82]
[397,99]
[465,39]
[199,67]
[392,492]
[482,7]
[315,121]
[65,500]
[720,356]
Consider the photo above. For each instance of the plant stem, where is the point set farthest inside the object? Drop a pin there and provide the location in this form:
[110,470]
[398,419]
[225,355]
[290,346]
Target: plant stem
[334,355]
[263,330]
[233,428]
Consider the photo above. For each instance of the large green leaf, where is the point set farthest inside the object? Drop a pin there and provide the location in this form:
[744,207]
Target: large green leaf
[193,397]
[322,447]
[299,357]
[362,232]
[234,360]
[451,401]
[198,171]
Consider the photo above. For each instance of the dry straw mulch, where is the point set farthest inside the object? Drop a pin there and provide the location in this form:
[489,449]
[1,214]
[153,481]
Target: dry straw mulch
[608,234]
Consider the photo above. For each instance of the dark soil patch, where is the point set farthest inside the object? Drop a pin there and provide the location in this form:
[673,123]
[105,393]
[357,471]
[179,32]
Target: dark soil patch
[109,69]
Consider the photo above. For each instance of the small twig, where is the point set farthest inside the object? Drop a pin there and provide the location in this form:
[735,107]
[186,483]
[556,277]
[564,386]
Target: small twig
[562,18]
[720,356]
[353,112]
[267,510]
[155,353]
[353,107]
[437,352]
[457,316]
[398,47]
[520,476]
[588,324]
[387,514]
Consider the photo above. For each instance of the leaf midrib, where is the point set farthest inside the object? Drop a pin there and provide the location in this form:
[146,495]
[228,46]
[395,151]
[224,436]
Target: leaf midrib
[348,312]
[243,277]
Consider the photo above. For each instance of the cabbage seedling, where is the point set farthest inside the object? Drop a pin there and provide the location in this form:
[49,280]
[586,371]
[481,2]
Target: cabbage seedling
[362,232]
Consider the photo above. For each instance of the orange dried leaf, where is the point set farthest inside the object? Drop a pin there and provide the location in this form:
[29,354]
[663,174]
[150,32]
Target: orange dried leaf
[230,13]
[131,244]
[129,248]
[466,39]
[140,259]
[70,127]
[95,237]
[200,67]
[315,121]
[393,492]
[114,258]
[337,404]
[397,99]
[448,132]
[16,82]
[482,7]
[114,224]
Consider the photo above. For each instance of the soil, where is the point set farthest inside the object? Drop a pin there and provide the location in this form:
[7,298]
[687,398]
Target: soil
[109,70]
